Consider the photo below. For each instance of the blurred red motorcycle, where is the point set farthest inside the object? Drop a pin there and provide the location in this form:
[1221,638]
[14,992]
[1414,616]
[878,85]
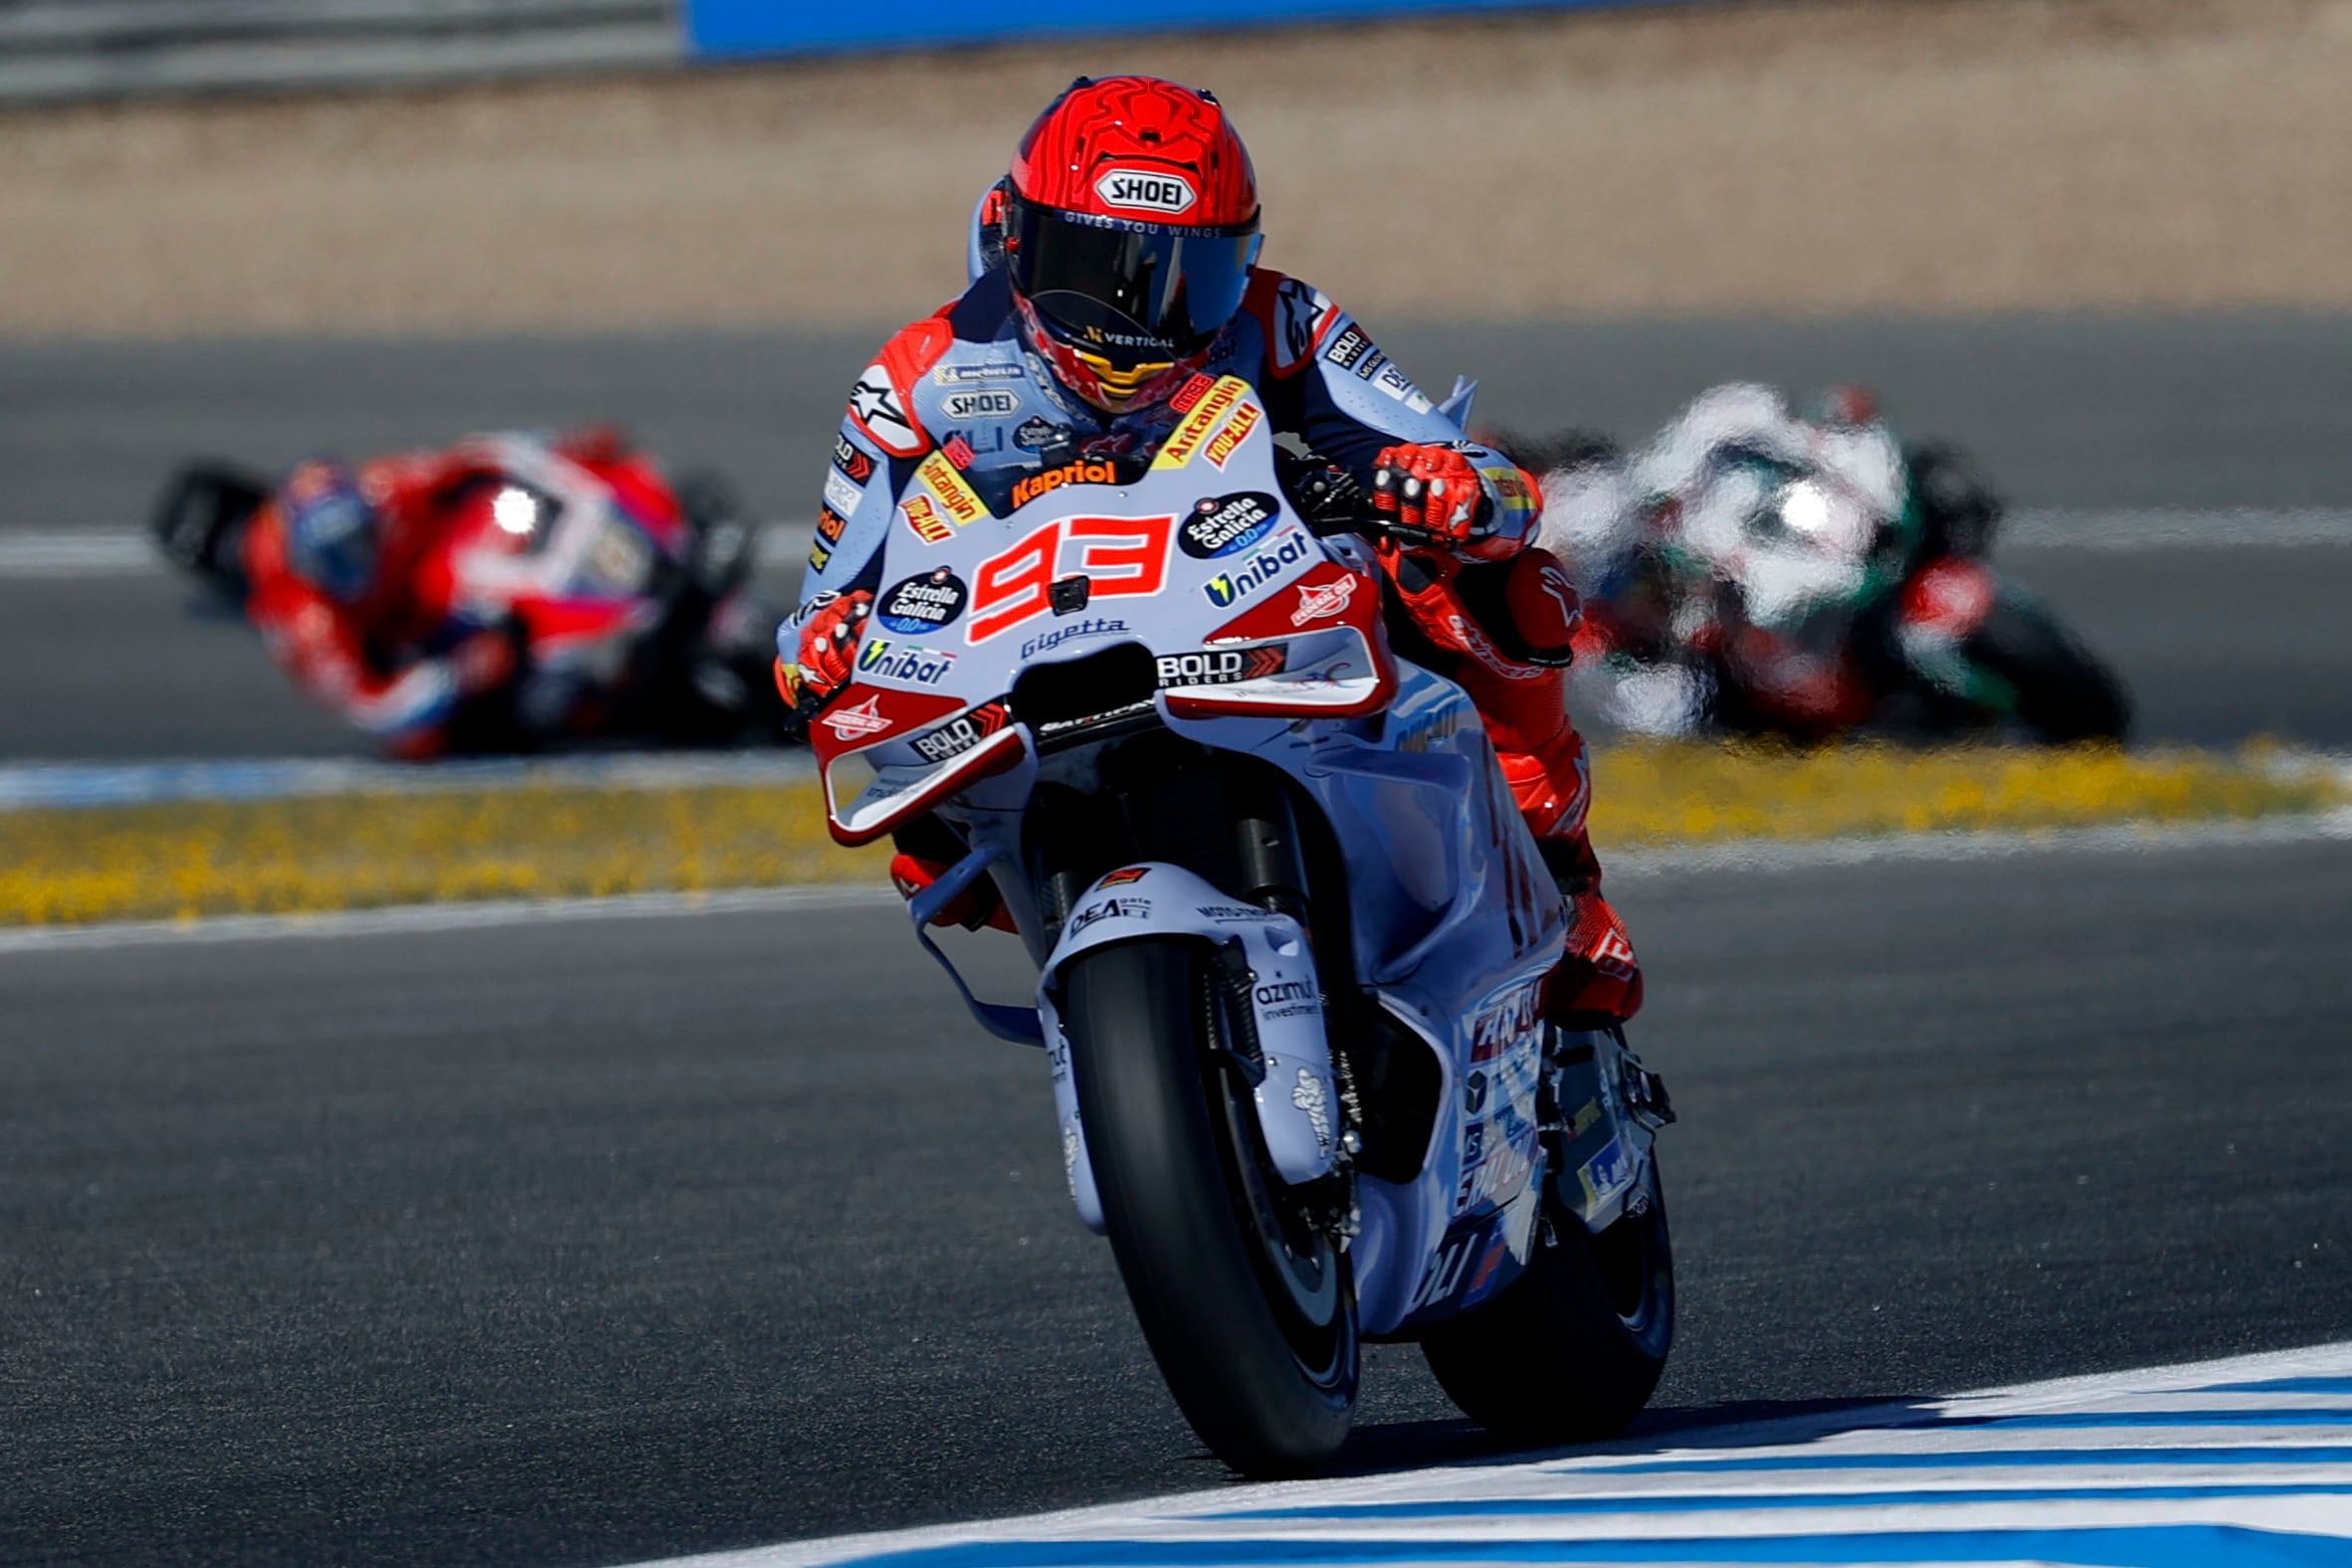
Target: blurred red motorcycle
[512,593]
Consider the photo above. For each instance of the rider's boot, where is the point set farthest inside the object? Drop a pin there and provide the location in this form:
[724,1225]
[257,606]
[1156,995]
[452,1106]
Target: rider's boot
[1518,678]
[926,850]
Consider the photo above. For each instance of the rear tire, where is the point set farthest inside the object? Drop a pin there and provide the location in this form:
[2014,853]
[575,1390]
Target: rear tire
[1249,1310]
[1572,1350]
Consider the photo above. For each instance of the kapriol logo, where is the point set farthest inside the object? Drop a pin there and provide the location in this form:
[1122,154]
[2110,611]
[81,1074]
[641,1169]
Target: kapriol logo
[1146,190]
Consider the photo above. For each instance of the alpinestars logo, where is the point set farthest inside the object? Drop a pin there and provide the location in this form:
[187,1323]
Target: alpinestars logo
[876,405]
[1146,190]
[855,723]
[1321,601]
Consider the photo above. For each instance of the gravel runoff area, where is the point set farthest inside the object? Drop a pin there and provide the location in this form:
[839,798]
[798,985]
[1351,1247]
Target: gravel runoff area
[1822,155]
[190,859]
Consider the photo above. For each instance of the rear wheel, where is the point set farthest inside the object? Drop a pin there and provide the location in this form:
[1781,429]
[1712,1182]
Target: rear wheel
[1571,1353]
[1244,1299]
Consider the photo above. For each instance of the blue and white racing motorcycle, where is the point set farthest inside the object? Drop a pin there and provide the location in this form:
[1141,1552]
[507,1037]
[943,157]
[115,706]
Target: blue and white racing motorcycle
[1291,935]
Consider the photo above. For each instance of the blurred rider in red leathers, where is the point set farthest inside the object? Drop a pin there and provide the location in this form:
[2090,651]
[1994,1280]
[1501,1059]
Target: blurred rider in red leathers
[355,582]
[1122,252]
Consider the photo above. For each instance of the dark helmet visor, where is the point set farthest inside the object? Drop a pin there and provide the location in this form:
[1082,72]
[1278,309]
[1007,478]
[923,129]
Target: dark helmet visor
[1131,292]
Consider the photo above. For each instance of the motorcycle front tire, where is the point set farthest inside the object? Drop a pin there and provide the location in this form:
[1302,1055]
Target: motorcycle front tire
[1251,1316]
[2064,694]
[1571,1351]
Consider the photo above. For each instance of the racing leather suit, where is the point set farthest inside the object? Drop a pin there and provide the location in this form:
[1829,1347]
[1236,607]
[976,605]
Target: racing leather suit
[398,663]
[1497,617]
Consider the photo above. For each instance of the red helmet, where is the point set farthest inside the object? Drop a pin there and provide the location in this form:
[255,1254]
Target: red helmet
[1129,230]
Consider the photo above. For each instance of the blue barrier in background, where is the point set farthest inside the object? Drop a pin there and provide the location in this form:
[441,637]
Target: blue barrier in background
[735,29]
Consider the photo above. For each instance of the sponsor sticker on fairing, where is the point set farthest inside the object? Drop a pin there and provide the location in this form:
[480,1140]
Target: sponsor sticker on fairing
[1605,1175]
[924,519]
[1228,589]
[885,659]
[1322,601]
[1235,431]
[1222,524]
[1146,190]
[1186,438]
[957,500]
[1128,908]
[960,733]
[1221,666]
[1031,487]
[858,722]
[1314,1103]
[923,603]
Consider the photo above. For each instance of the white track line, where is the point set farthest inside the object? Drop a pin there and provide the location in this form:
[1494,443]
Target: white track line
[2237,1459]
[1763,857]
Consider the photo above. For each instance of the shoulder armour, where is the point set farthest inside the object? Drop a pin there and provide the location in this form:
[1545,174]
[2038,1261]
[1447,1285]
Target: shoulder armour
[1294,319]
[881,403]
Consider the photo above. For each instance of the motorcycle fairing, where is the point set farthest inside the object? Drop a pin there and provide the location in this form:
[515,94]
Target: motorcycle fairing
[1297,1099]
[970,597]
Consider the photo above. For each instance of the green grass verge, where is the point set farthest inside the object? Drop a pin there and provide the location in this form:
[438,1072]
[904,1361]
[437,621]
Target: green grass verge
[190,861]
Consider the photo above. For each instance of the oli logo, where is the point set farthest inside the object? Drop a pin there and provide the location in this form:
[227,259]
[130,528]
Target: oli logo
[1150,190]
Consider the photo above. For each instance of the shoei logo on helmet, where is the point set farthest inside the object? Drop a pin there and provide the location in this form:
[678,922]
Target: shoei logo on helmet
[1146,190]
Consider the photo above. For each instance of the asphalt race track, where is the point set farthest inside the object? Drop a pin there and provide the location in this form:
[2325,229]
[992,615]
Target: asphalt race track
[617,1238]
[2063,412]
[612,1239]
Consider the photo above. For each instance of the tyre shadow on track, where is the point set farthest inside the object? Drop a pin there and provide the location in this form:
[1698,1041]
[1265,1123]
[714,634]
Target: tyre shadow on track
[1415,1444]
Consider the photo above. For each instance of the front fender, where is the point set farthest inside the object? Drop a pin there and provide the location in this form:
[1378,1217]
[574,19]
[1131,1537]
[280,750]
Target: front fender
[1297,1107]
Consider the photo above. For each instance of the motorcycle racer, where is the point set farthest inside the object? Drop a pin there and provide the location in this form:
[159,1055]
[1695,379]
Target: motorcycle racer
[355,580]
[1116,280]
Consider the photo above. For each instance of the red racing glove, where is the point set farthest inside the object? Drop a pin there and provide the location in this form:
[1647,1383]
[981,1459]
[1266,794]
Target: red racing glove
[1429,494]
[829,642]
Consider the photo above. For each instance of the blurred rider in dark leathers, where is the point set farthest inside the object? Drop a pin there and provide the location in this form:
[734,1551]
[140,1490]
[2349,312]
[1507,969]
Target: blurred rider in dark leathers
[1118,270]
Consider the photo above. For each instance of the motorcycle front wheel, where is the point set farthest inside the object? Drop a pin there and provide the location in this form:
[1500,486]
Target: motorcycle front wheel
[2064,694]
[1246,1302]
